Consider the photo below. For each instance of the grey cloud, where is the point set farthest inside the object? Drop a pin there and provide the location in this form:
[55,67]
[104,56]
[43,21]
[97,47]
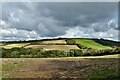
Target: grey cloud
[68,13]
[54,19]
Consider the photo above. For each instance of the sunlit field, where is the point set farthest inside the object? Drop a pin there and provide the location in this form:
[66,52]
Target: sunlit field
[91,44]
[53,47]
[9,46]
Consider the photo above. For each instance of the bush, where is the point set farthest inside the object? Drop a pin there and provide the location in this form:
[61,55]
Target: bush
[70,53]
[15,54]
[78,53]
[53,53]
[70,41]
[81,46]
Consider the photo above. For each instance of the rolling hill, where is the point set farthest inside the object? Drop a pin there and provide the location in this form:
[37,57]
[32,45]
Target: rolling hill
[86,42]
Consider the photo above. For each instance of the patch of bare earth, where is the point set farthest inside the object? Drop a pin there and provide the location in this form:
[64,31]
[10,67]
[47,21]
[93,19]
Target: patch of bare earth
[59,67]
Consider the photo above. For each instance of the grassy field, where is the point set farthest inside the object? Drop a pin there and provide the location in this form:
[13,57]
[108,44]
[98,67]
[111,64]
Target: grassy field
[105,74]
[53,47]
[90,44]
[58,67]
[9,46]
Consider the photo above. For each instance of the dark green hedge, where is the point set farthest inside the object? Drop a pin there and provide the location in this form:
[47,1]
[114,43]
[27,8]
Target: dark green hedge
[40,53]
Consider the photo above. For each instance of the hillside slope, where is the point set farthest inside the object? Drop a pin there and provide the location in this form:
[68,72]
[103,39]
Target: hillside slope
[86,42]
[89,43]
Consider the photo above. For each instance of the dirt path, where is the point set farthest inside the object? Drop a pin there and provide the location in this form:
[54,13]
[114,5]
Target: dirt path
[57,67]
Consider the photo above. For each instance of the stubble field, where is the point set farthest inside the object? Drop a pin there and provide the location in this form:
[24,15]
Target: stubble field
[53,47]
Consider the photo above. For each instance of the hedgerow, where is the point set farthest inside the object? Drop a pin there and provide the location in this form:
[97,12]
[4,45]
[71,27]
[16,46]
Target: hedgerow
[40,53]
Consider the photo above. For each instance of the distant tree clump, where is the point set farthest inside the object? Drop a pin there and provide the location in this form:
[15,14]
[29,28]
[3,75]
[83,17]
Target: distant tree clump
[70,42]
[107,42]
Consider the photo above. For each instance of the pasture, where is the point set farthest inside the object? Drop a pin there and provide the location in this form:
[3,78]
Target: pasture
[90,44]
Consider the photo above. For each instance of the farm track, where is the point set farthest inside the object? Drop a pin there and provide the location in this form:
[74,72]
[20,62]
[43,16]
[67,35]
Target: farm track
[59,67]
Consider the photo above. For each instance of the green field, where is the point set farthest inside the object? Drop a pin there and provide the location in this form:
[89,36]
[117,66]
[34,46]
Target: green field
[90,44]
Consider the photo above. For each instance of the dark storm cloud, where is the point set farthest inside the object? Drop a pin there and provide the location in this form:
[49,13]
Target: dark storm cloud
[56,19]
[81,13]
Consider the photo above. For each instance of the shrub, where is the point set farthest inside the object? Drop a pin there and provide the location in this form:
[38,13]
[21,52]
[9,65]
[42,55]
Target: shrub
[78,53]
[70,41]
[15,54]
[81,46]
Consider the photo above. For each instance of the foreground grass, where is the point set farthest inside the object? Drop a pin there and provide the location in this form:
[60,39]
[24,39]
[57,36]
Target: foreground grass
[90,44]
[12,66]
[105,74]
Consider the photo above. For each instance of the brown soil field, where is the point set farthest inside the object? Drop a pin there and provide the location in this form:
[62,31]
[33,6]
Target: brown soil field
[57,67]
[53,47]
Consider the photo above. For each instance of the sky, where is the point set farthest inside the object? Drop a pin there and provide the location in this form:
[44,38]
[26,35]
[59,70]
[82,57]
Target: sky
[41,20]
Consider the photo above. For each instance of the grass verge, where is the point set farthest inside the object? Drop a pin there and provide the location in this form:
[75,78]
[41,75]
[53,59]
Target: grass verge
[105,75]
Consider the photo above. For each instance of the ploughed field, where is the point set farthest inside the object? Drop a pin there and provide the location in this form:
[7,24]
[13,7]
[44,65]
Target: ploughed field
[60,67]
